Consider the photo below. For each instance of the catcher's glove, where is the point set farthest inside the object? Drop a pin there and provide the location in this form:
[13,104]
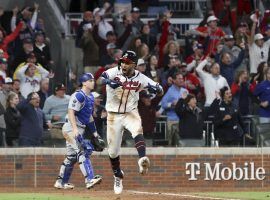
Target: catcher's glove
[98,143]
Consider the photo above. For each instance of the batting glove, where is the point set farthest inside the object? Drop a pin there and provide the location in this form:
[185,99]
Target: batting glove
[154,89]
[113,84]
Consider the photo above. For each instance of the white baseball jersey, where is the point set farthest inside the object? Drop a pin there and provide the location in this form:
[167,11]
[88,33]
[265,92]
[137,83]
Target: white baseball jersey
[125,98]
[31,84]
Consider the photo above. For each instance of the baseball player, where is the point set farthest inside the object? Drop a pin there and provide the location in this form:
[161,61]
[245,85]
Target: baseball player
[123,84]
[78,148]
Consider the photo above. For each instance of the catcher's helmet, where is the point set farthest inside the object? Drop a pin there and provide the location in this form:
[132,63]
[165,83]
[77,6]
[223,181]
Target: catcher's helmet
[129,57]
[85,77]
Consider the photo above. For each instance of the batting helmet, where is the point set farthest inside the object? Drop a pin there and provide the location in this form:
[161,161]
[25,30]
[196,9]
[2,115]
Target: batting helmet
[85,77]
[129,57]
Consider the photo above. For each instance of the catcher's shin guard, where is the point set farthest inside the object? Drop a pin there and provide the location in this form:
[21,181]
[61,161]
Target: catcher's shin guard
[67,168]
[85,166]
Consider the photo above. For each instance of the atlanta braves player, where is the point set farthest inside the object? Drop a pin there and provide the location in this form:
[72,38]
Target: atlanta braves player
[123,86]
[78,149]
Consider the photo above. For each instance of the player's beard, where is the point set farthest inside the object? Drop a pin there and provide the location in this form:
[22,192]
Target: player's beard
[128,72]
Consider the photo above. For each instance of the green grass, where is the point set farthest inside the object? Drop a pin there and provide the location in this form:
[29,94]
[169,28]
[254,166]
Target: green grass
[39,196]
[239,195]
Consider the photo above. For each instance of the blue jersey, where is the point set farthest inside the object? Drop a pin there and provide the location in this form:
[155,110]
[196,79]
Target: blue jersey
[83,106]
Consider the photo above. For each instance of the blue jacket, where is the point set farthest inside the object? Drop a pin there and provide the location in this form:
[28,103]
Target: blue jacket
[172,95]
[227,71]
[262,91]
[32,121]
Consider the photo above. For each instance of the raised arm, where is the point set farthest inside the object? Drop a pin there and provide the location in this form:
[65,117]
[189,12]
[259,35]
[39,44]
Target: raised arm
[200,70]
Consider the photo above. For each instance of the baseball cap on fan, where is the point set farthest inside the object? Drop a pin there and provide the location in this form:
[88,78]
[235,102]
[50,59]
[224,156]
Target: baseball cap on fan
[96,94]
[111,46]
[59,86]
[8,80]
[3,61]
[258,36]
[141,61]
[211,18]
[135,9]
[228,37]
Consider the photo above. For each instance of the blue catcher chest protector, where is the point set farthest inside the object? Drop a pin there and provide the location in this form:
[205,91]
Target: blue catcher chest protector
[83,157]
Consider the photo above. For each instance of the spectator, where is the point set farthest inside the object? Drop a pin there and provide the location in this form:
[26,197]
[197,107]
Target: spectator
[147,38]
[147,112]
[5,40]
[152,68]
[230,48]
[169,101]
[120,27]
[212,81]
[134,44]
[212,35]
[3,67]
[12,119]
[226,14]
[262,91]
[110,38]
[16,88]
[227,67]
[258,48]
[99,114]
[33,121]
[88,20]
[143,52]
[89,47]
[24,55]
[242,33]
[193,60]
[242,92]
[260,75]
[108,59]
[42,51]
[171,50]
[244,7]
[103,26]
[56,105]
[141,66]
[28,15]
[136,21]
[30,80]
[43,93]
[191,120]
[229,127]
[191,82]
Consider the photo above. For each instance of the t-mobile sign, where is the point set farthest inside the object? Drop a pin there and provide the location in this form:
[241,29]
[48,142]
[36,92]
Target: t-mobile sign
[218,171]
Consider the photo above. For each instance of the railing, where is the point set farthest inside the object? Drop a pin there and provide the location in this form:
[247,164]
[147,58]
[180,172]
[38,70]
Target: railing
[74,19]
[209,130]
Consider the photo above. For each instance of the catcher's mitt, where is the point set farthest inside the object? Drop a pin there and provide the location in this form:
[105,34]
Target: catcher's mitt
[98,143]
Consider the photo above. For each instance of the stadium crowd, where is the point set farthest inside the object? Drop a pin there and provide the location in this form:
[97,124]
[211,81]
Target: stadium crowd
[220,74]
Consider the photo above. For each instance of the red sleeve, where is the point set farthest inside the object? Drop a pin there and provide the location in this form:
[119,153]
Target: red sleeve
[221,33]
[163,41]
[189,59]
[12,36]
[99,72]
[201,28]
[193,79]
[252,86]
[234,88]
[233,20]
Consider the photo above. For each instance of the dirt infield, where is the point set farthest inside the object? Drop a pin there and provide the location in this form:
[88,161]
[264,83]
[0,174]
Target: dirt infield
[97,194]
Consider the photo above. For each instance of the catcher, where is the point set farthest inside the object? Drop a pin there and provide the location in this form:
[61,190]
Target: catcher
[79,148]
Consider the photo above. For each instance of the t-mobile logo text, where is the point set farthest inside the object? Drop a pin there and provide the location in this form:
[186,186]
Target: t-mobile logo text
[219,172]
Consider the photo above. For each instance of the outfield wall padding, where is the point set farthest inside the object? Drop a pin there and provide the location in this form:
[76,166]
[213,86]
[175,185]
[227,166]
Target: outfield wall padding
[38,167]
